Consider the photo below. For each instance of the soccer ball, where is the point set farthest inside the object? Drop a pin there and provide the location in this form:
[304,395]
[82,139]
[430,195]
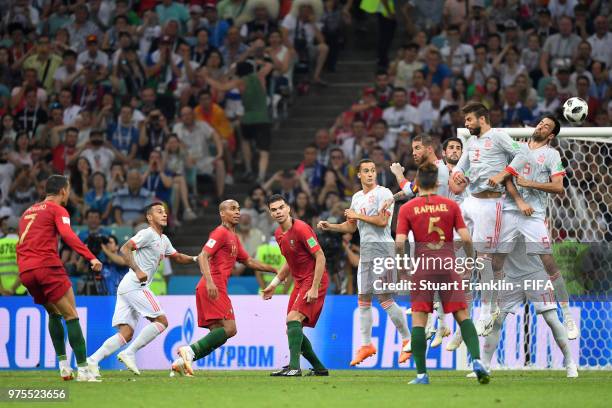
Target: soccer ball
[575,110]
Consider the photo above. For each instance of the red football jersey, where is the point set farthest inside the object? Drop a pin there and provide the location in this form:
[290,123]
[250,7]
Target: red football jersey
[224,248]
[39,227]
[432,219]
[298,245]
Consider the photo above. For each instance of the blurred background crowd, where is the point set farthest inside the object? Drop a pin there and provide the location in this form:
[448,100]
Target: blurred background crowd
[177,101]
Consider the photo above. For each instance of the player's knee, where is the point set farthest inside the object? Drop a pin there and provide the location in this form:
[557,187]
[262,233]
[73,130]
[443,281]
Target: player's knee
[126,332]
[163,320]
[230,330]
[364,300]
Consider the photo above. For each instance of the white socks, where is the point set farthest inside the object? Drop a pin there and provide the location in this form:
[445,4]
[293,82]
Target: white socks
[365,322]
[440,312]
[111,345]
[397,317]
[559,334]
[490,344]
[146,335]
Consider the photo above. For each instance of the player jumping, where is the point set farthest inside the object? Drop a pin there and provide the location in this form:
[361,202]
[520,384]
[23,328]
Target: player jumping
[215,311]
[370,212]
[41,271]
[519,269]
[423,151]
[306,263]
[486,154]
[538,173]
[433,219]
[142,253]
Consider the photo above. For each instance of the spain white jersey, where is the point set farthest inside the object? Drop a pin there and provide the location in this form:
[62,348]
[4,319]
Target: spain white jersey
[370,204]
[151,248]
[443,176]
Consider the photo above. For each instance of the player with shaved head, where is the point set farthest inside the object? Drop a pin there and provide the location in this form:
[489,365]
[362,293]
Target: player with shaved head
[215,311]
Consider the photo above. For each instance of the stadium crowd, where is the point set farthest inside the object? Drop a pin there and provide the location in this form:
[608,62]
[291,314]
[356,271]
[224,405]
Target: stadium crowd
[159,100]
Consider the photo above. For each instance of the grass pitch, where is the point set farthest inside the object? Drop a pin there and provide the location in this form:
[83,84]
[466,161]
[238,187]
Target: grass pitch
[347,388]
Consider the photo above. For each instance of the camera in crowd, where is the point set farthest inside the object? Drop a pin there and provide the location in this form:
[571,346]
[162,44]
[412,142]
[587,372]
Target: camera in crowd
[94,243]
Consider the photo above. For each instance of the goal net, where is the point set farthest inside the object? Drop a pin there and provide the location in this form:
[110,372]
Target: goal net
[580,226]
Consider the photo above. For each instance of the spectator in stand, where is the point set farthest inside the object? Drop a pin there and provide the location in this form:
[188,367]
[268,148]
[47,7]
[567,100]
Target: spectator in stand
[8,131]
[250,238]
[88,91]
[401,113]
[158,181]
[22,192]
[94,56]
[175,159]
[311,170]
[404,70]
[344,173]
[303,208]
[419,92]
[44,61]
[367,108]
[123,134]
[514,111]
[234,50]
[285,183]
[601,41]
[171,10]
[255,124]
[511,67]
[435,71]
[94,221]
[70,111]
[81,28]
[383,89]
[559,49]
[382,136]
[98,197]
[600,88]
[199,138]
[430,111]
[560,8]
[261,20]
[129,202]
[478,72]
[217,28]
[153,133]
[302,30]
[458,93]
[65,152]
[33,116]
[565,88]
[530,58]
[456,54]
[99,154]
[491,95]
[550,103]
[114,268]
[582,91]
[324,146]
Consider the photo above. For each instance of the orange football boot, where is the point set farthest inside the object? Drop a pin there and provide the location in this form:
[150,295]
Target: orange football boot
[405,353]
[363,353]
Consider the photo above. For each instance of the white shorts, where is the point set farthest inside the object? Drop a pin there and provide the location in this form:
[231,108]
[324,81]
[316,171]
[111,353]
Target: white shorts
[485,215]
[468,224]
[535,231]
[541,298]
[367,276]
[132,305]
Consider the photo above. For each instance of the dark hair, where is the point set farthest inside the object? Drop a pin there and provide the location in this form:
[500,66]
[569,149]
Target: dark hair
[93,211]
[477,109]
[363,161]
[72,129]
[453,27]
[586,78]
[452,139]
[204,92]
[70,53]
[336,149]
[150,207]
[244,68]
[412,45]
[55,184]
[98,173]
[482,45]
[274,198]
[427,176]
[557,127]
[400,89]
[381,122]
[424,138]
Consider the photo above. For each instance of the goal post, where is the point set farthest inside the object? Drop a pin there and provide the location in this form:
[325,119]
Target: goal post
[580,224]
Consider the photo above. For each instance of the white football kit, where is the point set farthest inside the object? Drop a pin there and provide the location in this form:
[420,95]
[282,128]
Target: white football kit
[134,298]
[484,157]
[537,165]
[375,242]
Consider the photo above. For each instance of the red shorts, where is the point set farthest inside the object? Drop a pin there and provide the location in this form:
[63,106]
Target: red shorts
[212,311]
[298,303]
[47,284]
[449,290]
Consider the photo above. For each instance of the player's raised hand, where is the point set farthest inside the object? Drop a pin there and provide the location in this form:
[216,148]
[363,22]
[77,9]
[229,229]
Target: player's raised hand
[268,292]
[397,170]
[96,265]
[459,178]
[323,225]
[312,294]
[524,207]
[213,292]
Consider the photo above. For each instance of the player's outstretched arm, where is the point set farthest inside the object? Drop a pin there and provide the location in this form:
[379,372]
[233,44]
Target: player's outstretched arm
[259,266]
[128,256]
[183,258]
[554,187]
[518,199]
[345,227]
[62,223]
[408,188]
[213,293]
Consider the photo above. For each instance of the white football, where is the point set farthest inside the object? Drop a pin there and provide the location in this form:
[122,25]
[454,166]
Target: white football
[575,110]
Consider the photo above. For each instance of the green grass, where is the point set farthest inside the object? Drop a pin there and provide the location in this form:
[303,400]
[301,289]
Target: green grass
[220,389]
